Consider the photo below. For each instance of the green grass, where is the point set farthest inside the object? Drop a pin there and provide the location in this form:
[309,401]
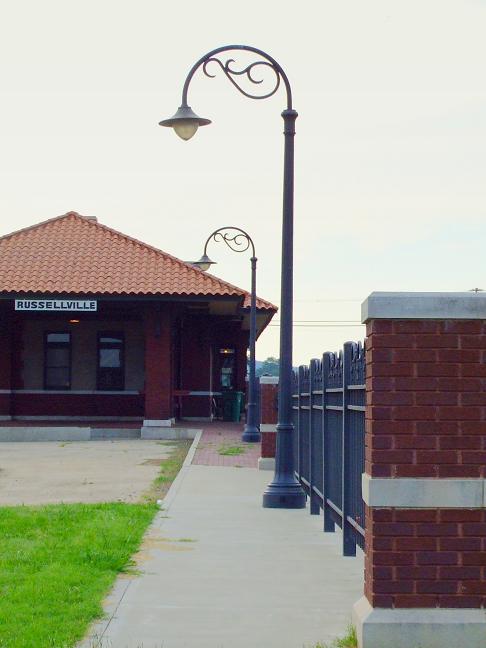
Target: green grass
[231,451]
[169,469]
[348,641]
[57,562]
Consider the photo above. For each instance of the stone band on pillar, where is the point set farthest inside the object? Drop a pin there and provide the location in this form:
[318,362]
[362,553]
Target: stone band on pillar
[423,486]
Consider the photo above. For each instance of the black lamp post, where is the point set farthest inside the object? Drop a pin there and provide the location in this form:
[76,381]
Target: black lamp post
[241,242]
[284,491]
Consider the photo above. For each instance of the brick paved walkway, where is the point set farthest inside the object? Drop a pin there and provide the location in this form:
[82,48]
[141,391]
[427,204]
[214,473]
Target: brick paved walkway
[217,437]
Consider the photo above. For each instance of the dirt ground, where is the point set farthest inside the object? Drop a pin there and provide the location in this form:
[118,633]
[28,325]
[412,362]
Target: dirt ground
[89,471]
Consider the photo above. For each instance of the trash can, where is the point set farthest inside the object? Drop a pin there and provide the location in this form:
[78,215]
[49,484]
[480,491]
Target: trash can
[232,401]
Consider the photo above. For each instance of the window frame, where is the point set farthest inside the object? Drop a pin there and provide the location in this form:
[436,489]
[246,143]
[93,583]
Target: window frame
[58,345]
[223,353]
[99,346]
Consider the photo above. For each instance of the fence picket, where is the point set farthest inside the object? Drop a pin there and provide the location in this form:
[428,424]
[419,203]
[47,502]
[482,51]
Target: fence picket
[349,542]
[295,420]
[299,417]
[314,465]
[329,524]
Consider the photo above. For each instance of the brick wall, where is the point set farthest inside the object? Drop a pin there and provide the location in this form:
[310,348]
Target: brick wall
[269,441]
[426,558]
[158,374]
[269,415]
[426,398]
[67,404]
[426,418]
[5,364]
[269,410]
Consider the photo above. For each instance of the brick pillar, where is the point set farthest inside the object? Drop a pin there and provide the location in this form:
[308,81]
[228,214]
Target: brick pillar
[268,425]
[5,367]
[158,375]
[425,565]
[17,346]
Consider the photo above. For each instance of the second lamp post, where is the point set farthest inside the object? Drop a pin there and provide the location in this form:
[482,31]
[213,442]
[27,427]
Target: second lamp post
[239,241]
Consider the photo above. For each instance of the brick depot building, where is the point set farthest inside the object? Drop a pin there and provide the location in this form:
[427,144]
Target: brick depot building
[95,325]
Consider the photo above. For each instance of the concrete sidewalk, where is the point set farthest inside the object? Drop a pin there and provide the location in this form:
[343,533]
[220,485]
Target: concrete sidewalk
[219,571]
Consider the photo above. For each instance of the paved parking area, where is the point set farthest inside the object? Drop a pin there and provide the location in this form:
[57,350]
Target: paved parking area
[90,471]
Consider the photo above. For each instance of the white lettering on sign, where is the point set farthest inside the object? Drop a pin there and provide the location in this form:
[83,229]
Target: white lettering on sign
[56,305]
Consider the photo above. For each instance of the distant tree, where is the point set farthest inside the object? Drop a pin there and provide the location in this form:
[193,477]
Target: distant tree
[268,367]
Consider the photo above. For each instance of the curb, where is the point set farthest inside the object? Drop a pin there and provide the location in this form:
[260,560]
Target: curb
[111,603]
[166,503]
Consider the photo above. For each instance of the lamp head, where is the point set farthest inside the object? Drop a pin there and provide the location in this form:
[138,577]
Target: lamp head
[204,263]
[185,122]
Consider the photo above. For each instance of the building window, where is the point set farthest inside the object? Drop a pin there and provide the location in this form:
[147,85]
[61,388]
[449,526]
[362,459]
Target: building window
[227,363]
[111,361]
[57,360]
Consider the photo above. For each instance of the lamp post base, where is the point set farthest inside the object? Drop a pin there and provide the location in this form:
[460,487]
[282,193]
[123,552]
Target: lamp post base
[284,495]
[251,434]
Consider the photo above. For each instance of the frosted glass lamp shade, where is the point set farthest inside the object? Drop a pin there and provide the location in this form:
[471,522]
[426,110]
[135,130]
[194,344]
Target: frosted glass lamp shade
[204,263]
[186,128]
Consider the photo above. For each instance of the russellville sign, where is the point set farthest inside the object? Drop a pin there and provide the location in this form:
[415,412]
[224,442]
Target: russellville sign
[56,305]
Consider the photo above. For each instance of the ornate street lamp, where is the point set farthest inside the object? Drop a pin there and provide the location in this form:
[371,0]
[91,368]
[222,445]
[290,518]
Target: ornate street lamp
[284,491]
[241,242]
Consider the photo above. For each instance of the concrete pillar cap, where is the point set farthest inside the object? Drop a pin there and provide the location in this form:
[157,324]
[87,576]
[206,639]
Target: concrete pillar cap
[424,305]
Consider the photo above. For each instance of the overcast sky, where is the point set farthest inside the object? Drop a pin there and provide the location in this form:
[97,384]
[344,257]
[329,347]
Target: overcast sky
[390,145]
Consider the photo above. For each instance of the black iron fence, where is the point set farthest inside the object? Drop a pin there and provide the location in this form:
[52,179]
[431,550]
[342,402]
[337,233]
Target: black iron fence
[329,417]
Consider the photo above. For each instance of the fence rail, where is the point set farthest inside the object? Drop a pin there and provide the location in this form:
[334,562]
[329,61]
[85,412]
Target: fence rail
[329,417]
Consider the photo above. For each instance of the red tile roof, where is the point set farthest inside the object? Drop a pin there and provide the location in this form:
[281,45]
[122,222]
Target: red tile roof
[73,254]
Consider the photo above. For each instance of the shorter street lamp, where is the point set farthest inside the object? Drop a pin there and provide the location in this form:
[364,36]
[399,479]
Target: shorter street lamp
[239,241]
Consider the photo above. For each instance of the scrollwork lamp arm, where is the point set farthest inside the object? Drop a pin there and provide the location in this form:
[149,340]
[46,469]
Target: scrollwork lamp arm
[231,241]
[269,61]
